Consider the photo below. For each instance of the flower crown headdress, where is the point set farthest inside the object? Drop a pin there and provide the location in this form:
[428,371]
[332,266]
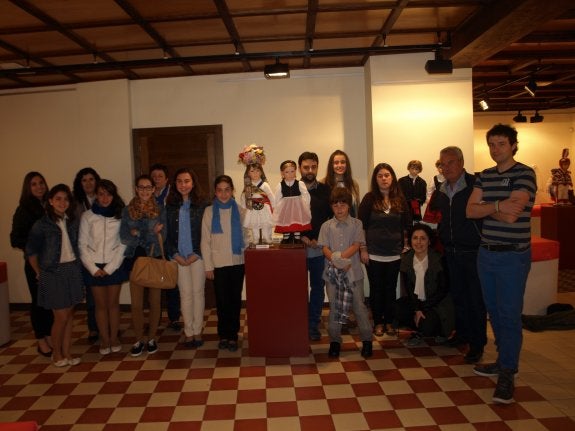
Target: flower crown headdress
[252,154]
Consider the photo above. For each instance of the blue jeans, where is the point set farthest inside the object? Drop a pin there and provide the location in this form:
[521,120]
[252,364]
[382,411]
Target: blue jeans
[315,266]
[503,276]
[465,288]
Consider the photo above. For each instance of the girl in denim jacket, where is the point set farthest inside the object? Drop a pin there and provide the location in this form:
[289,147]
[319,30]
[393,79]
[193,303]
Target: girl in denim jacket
[52,251]
[142,220]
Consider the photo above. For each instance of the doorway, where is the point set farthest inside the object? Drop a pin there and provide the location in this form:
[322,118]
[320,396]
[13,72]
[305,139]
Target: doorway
[197,147]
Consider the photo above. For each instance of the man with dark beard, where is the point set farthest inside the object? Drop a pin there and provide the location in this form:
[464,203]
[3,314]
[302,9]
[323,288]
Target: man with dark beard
[320,212]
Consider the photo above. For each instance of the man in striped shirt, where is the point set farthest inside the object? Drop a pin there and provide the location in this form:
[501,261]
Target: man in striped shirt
[503,197]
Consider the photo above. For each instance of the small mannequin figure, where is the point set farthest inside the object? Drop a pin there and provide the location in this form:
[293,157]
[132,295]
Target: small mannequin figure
[292,213]
[414,189]
[257,199]
[561,180]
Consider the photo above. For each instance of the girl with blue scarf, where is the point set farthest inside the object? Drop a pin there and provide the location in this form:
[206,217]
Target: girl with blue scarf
[222,247]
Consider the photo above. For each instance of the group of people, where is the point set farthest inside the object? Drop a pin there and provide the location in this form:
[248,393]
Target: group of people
[92,239]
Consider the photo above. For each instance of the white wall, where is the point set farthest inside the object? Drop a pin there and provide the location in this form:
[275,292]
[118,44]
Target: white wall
[58,131]
[318,111]
[415,115]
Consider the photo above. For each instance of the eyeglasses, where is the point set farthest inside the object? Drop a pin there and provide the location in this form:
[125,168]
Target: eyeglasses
[145,188]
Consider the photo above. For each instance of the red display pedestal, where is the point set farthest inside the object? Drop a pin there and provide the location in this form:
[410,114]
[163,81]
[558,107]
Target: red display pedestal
[557,224]
[276,296]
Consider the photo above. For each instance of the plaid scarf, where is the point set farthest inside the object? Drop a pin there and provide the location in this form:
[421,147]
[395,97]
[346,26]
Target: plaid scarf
[139,209]
[343,292]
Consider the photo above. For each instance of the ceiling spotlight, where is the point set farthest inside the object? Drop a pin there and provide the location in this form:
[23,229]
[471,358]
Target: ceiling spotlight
[531,87]
[439,64]
[277,70]
[520,118]
[483,104]
[536,118]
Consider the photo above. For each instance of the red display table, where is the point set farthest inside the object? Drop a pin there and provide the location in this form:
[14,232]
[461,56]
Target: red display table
[557,224]
[541,287]
[276,296]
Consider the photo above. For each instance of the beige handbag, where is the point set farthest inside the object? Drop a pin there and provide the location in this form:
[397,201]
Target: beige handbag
[156,273]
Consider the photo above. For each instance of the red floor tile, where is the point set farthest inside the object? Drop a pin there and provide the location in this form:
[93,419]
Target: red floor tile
[404,401]
[279,381]
[77,402]
[343,405]
[367,389]
[135,400]
[97,376]
[251,425]
[387,375]
[187,426]
[220,412]
[169,386]
[148,375]
[252,371]
[281,409]
[310,393]
[316,423]
[20,403]
[382,420]
[251,396]
[462,398]
[114,387]
[95,416]
[157,414]
[334,378]
[424,385]
[224,384]
[200,373]
[193,398]
[447,415]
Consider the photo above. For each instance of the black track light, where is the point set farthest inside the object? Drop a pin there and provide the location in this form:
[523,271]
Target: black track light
[520,118]
[536,118]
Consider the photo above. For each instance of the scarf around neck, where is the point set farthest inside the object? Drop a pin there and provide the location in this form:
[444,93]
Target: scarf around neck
[108,211]
[237,238]
[139,209]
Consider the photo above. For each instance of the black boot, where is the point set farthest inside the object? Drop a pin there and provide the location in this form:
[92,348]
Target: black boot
[334,348]
[367,349]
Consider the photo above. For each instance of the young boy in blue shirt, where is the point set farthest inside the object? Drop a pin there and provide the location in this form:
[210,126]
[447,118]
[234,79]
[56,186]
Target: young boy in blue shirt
[340,238]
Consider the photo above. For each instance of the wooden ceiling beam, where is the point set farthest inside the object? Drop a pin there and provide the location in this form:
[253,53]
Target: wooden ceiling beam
[133,13]
[55,25]
[499,24]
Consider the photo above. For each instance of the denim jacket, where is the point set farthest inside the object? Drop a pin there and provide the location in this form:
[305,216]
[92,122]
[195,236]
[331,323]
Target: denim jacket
[146,237]
[45,241]
[173,218]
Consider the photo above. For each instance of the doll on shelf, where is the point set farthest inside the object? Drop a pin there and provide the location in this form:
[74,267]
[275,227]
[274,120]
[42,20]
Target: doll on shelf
[561,180]
[292,214]
[257,196]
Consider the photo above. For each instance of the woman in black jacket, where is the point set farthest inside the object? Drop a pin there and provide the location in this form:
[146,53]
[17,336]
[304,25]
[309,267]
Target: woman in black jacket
[30,209]
[428,307]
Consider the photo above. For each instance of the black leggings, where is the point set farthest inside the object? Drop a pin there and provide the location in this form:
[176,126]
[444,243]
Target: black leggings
[41,318]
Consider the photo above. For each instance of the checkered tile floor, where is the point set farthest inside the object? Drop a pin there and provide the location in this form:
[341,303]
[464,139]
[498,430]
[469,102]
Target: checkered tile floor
[399,388]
